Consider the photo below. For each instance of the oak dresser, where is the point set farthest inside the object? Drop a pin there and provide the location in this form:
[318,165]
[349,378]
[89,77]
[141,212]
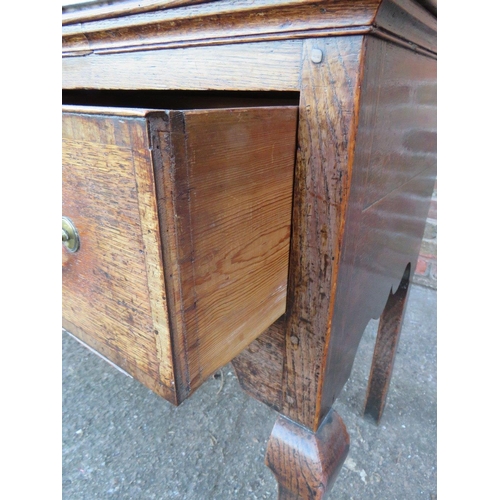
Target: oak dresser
[248,181]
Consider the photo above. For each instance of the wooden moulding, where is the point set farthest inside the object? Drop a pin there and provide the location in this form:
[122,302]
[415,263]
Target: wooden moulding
[156,25]
[99,10]
[384,353]
[213,20]
[185,209]
[405,20]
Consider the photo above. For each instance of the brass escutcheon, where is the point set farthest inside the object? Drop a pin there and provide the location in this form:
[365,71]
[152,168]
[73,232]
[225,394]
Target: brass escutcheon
[70,237]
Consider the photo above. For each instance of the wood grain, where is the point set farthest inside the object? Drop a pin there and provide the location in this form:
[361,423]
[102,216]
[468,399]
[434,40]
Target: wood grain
[259,367]
[203,23]
[383,236]
[211,193]
[384,353]
[325,139]
[175,99]
[364,174]
[113,287]
[232,175]
[266,66]
[101,9]
[153,26]
[305,463]
[402,78]
[389,191]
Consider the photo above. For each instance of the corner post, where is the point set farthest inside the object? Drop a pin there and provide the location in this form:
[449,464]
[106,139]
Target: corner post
[309,442]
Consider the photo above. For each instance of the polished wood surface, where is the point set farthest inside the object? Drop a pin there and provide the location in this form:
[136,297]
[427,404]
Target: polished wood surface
[325,140]
[195,208]
[306,463]
[203,22]
[113,286]
[102,9]
[391,181]
[259,368]
[365,75]
[384,353]
[206,42]
[394,170]
[172,24]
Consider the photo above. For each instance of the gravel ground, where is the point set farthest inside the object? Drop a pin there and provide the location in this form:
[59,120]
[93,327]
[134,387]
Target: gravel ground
[121,441]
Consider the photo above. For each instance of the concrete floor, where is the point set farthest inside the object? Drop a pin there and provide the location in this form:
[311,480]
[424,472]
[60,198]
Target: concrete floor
[121,441]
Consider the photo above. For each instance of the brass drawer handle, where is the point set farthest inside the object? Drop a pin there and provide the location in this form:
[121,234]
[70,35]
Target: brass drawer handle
[70,236]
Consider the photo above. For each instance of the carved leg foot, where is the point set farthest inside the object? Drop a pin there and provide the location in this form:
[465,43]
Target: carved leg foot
[305,463]
[385,350]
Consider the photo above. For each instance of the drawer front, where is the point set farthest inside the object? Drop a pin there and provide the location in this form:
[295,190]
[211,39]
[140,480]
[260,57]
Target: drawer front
[113,286]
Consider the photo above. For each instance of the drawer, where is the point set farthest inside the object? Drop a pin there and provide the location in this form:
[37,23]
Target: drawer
[183,219]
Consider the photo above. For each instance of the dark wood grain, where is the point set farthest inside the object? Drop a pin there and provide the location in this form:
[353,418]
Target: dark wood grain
[389,197]
[364,175]
[407,20]
[172,24]
[222,20]
[305,463]
[102,9]
[388,193]
[384,353]
[327,127]
[259,367]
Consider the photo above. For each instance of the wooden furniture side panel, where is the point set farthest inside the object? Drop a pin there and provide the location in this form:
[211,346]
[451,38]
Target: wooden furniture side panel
[226,21]
[403,119]
[234,184]
[389,199]
[113,287]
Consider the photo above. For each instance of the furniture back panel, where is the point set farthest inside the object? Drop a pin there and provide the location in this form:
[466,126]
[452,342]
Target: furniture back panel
[389,197]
